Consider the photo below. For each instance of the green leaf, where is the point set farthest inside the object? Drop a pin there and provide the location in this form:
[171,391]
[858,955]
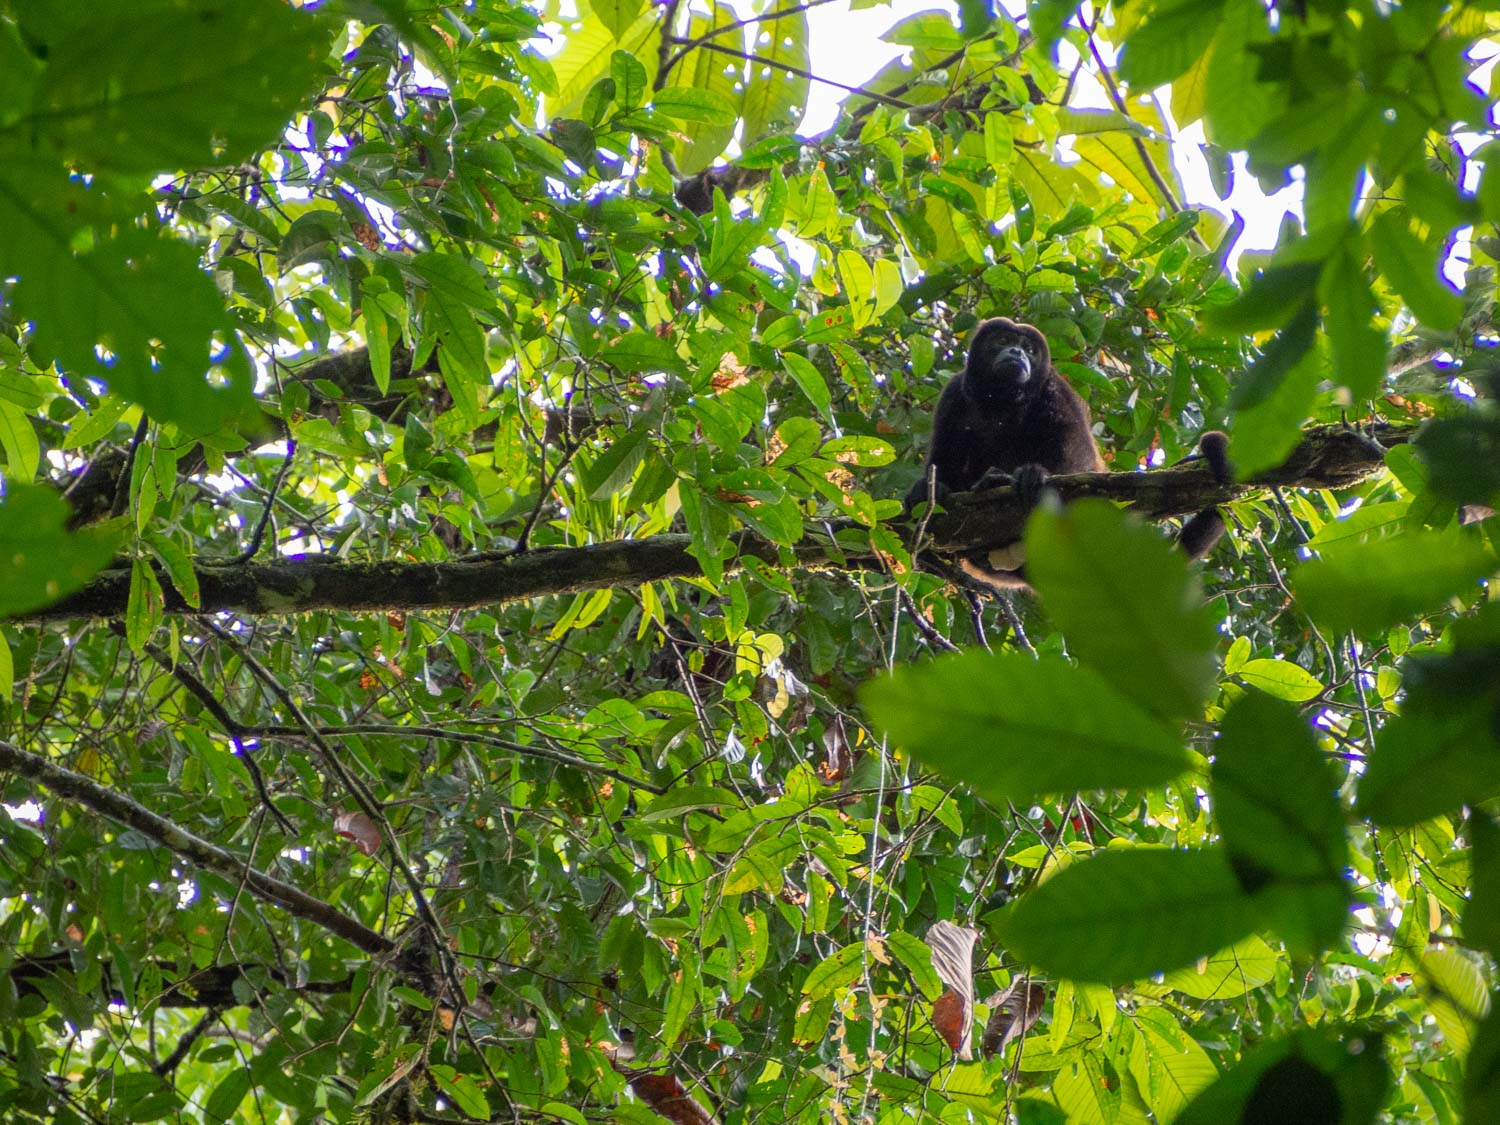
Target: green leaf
[866,452]
[1281,679]
[23,452]
[1359,351]
[1238,103]
[1284,351]
[631,83]
[1312,1076]
[1233,972]
[467,1097]
[1127,602]
[139,313]
[1171,1067]
[1124,914]
[617,15]
[859,286]
[1270,299]
[685,103]
[611,471]
[1482,1072]
[776,96]
[837,971]
[1371,586]
[159,86]
[1263,435]
[227,1095]
[1016,728]
[40,562]
[7,669]
[378,340]
[1025,213]
[178,564]
[1277,802]
[145,610]
[809,379]
[1169,43]
[1412,267]
[643,353]
[1481,918]
[1424,765]
[1119,156]
[1462,454]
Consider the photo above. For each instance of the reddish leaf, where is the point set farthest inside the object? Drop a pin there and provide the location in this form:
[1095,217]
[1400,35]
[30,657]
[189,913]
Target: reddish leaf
[665,1095]
[953,958]
[951,1019]
[361,829]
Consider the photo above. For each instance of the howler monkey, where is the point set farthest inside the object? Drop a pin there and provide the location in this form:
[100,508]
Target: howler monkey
[1009,418]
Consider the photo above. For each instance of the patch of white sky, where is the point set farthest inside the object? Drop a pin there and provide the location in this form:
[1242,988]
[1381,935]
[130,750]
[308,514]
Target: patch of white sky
[846,47]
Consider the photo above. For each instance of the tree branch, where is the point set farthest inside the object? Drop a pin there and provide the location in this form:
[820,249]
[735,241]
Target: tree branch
[1328,457]
[196,850]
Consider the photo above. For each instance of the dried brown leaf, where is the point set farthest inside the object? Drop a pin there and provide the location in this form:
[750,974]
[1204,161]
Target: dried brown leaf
[1012,1014]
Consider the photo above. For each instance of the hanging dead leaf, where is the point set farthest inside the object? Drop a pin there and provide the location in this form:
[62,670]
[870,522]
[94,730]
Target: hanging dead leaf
[665,1095]
[1012,1014]
[951,1021]
[953,958]
[361,829]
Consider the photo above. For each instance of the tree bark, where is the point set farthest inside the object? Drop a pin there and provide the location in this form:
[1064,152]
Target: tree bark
[1328,457]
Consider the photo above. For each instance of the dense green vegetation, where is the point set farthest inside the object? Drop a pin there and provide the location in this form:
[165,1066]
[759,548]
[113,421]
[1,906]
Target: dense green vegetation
[464,658]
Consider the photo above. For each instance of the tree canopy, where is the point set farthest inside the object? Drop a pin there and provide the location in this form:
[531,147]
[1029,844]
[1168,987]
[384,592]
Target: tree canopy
[464,657]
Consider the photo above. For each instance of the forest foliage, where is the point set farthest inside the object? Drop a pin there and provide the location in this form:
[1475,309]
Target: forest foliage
[321,323]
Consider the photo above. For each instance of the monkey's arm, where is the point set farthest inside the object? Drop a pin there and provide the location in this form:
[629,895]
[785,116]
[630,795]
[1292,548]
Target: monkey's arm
[946,468]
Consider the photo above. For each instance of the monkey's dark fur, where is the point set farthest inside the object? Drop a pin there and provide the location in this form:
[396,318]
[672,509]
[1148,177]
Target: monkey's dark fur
[1009,418]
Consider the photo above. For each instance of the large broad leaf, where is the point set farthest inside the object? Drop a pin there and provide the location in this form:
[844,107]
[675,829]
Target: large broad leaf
[1268,301]
[1312,1077]
[774,99]
[1482,912]
[1482,1074]
[1280,355]
[1128,913]
[456,295]
[1126,601]
[135,312]
[1237,104]
[1231,973]
[1016,728]
[588,54]
[1462,453]
[1263,435]
[40,562]
[159,86]
[1359,349]
[1412,267]
[707,89]
[1426,764]
[1169,42]
[1282,824]
[617,15]
[1374,585]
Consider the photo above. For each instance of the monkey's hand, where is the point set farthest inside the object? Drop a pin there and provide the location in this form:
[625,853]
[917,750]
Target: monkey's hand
[1030,480]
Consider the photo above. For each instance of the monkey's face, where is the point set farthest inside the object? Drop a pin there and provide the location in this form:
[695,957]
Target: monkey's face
[1006,361]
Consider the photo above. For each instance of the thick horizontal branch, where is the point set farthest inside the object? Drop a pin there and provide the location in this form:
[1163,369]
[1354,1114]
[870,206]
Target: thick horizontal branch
[1328,457]
[194,849]
[210,987]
